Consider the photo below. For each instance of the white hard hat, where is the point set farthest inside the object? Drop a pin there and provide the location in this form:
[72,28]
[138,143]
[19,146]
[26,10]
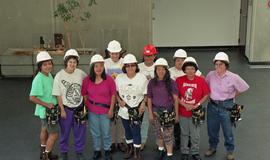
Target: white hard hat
[71,52]
[161,62]
[96,58]
[222,57]
[114,46]
[129,58]
[43,56]
[190,59]
[180,53]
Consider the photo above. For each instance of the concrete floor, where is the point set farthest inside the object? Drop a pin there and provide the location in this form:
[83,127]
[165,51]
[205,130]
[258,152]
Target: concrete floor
[19,135]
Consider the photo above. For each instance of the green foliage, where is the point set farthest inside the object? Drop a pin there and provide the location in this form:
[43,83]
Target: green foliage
[74,10]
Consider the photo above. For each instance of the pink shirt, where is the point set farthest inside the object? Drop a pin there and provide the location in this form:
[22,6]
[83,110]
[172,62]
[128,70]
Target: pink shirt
[100,93]
[225,87]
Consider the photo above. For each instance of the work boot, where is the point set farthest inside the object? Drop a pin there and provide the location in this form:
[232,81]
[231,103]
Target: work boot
[142,146]
[42,149]
[196,157]
[184,157]
[108,155]
[80,156]
[210,152]
[64,156]
[113,147]
[169,157]
[161,154]
[129,151]
[122,147]
[137,153]
[97,155]
[230,156]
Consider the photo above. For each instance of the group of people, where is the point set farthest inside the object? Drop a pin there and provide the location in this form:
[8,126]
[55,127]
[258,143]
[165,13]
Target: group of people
[120,98]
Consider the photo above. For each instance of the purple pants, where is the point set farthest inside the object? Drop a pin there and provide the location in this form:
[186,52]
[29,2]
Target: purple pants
[79,132]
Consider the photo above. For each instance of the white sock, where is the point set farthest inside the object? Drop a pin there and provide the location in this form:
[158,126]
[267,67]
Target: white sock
[169,154]
[160,148]
[47,151]
[43,145]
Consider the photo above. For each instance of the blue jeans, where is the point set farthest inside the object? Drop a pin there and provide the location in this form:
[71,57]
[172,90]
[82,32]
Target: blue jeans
[218,115]
[132,133]
[100,128]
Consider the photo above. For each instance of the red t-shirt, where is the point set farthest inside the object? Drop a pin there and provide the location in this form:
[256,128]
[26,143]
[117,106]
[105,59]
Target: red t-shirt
[191,92]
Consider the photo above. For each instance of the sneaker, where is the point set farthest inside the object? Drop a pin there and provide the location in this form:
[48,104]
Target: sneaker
[210,152]
[230,156]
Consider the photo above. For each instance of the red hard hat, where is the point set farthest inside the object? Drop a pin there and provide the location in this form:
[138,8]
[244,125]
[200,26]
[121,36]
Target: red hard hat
[149,50]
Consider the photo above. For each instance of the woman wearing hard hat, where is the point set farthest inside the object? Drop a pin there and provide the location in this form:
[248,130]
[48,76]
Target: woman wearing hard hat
[179,56]
[193,91]
[131,87]
[113,67]
[162,98]
[225,86]
[41,95]
[67,89]
[147,68]
[98,90]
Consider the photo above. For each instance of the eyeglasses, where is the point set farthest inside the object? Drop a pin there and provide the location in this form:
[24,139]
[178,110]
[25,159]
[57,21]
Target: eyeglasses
[130,65]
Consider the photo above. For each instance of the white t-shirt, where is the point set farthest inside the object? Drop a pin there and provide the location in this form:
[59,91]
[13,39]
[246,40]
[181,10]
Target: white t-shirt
[113,68]
[132,91]
[149,72]
[69,87]
[175,73]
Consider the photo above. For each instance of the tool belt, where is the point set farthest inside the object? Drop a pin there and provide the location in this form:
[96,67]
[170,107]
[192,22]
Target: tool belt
[166,117]
[134,115]
[81,114]
[198,115]
[53,115]
[235,113]
[115,113]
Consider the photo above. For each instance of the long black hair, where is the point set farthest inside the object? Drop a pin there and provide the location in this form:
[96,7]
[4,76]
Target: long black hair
[92,74]
[167,79]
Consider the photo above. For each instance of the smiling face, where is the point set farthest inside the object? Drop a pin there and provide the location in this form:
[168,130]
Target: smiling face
[160,71]
[149,60]
[130,68]
[71,64]
[190,71]
[99,68]
[178,62]
[115,56]
[46,67]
